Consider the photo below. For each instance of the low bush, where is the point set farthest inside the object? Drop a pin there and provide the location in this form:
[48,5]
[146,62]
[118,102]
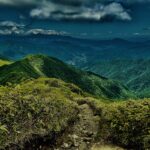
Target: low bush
[127,124]
[34,108]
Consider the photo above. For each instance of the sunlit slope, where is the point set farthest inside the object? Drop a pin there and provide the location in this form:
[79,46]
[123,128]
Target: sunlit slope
[43,66]
[4,61]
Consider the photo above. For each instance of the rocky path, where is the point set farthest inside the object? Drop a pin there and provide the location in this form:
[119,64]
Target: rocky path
[81,136]
[83,132]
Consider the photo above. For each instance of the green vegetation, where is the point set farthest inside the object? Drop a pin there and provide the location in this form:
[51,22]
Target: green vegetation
[40,107]
[43,66]
[127,124]
[4,61]
[133,73]
[41,99]
[43,108]
[124,123]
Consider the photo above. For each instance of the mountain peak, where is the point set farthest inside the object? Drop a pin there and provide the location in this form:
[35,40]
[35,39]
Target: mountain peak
[37,56]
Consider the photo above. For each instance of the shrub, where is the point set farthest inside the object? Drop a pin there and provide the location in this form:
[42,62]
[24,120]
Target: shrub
[128,124]
[34,108]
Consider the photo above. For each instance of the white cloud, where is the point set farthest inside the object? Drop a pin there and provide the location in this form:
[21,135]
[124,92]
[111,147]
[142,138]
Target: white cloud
[96,12]
[19,2]
[10,24]
[75,9]
[43,32]
[117,10]
[41,13]
[12,28]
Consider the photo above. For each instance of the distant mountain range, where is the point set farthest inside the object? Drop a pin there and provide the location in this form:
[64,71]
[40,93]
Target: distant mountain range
[119,59]
[36,66]
[73,50]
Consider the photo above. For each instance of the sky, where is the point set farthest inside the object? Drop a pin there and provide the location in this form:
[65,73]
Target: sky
[81,18]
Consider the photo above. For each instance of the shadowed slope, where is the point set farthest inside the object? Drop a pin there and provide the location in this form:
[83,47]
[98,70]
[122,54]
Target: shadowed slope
[133,73]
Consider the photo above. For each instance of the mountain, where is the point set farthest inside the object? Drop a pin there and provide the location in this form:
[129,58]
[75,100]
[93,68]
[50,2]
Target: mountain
[48,113]
[36,66]
[87,54]
[133,73]
[72,50]
[4,61]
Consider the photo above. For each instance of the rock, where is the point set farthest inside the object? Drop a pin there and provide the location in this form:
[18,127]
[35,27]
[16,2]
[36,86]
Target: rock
[83,130]
[74,140]
[76,144]
[74,136]
[65,145]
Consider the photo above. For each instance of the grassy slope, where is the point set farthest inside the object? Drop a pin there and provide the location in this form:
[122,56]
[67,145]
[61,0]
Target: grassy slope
[35,108]
[126,124]
[43,66]
[128,72]
[4,62]
[43,108]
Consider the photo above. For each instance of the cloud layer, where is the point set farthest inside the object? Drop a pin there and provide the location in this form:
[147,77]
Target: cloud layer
[65,2]
[96,10]
[12,28]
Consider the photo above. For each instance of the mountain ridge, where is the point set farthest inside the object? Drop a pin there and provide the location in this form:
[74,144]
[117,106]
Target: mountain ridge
[35,66]
[126,71]
[4,61]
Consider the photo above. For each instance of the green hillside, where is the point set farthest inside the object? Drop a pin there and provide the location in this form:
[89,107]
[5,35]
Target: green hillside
[133,73]
[43,66]
[4,61]
[40,107]
[48,113]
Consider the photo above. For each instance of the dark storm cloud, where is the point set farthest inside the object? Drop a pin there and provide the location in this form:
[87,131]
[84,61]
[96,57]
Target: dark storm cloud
[65,2]
[96,10]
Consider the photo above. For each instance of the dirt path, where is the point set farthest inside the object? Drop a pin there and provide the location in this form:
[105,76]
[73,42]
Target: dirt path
[83,132]
[80,135]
